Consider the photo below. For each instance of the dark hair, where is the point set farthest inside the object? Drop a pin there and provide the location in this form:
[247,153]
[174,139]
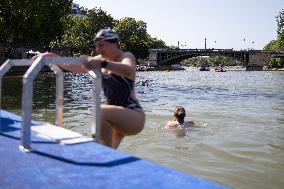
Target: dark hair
[180,114]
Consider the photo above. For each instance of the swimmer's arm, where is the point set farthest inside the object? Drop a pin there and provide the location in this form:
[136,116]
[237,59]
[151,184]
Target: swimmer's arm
[74,68]
[190,123]
[126,67]
[170,125]
[71,68]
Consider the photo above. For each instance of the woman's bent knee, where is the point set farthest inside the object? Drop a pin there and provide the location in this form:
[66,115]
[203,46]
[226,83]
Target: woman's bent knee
[125,121]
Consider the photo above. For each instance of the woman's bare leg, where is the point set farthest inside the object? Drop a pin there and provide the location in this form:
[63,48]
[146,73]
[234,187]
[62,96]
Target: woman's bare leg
[119,121]
[116,138]
[106,133]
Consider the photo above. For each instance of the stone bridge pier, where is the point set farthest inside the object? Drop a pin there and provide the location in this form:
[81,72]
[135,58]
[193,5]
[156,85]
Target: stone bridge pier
[258,59]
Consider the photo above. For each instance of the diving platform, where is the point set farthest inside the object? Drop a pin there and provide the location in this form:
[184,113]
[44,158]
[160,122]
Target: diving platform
[51,163]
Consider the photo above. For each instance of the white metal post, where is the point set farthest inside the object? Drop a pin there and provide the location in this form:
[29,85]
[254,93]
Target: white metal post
[96,112]
[59,95]
[27,99]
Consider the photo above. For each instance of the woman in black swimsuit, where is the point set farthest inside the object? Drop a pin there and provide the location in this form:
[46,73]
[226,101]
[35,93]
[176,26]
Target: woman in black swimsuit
[122,114]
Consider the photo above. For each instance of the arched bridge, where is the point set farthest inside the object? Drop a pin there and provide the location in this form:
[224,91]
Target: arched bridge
[253,59]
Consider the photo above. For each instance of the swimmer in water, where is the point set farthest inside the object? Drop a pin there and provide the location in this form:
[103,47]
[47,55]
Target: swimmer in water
[178,120]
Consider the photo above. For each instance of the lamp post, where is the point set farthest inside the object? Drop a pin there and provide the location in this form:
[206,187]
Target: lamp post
[181,45]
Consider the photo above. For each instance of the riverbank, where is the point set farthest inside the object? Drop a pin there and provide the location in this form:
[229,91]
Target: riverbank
[158,68]
[274,69]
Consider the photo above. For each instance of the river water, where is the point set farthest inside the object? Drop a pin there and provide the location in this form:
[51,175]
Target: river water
[239,141]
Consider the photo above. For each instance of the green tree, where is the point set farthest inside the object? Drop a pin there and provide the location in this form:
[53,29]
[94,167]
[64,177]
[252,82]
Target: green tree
[274,62]
[154,43]
[133,36]
[31,22]
[79,32]
[280,29]
[96,20]
[74,37]
[277,44]
[213,61]
[272,45]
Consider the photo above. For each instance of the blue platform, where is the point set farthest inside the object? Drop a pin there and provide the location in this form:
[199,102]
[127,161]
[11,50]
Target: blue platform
[83,165]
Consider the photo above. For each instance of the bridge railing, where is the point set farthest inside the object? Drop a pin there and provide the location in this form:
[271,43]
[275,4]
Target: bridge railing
[189,50]
[30,75]
[204,50]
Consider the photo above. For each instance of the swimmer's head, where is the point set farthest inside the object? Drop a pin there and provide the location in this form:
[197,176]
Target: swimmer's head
[179,114]
[107,34]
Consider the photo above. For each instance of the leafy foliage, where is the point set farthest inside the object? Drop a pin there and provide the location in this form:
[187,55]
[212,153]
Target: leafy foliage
[79,32]
[277,44]
[42,24]
[280,29]
[155,43]
[272,45]
[133,36]
[213,61]
[31,22]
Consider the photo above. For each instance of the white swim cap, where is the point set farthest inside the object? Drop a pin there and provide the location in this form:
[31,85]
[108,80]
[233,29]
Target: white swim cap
[107,34]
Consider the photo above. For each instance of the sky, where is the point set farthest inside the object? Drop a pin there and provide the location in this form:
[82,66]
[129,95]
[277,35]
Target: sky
[226,24]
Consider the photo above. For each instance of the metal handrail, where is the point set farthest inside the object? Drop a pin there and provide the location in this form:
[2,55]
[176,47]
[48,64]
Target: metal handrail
[5,67]
[30,75]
